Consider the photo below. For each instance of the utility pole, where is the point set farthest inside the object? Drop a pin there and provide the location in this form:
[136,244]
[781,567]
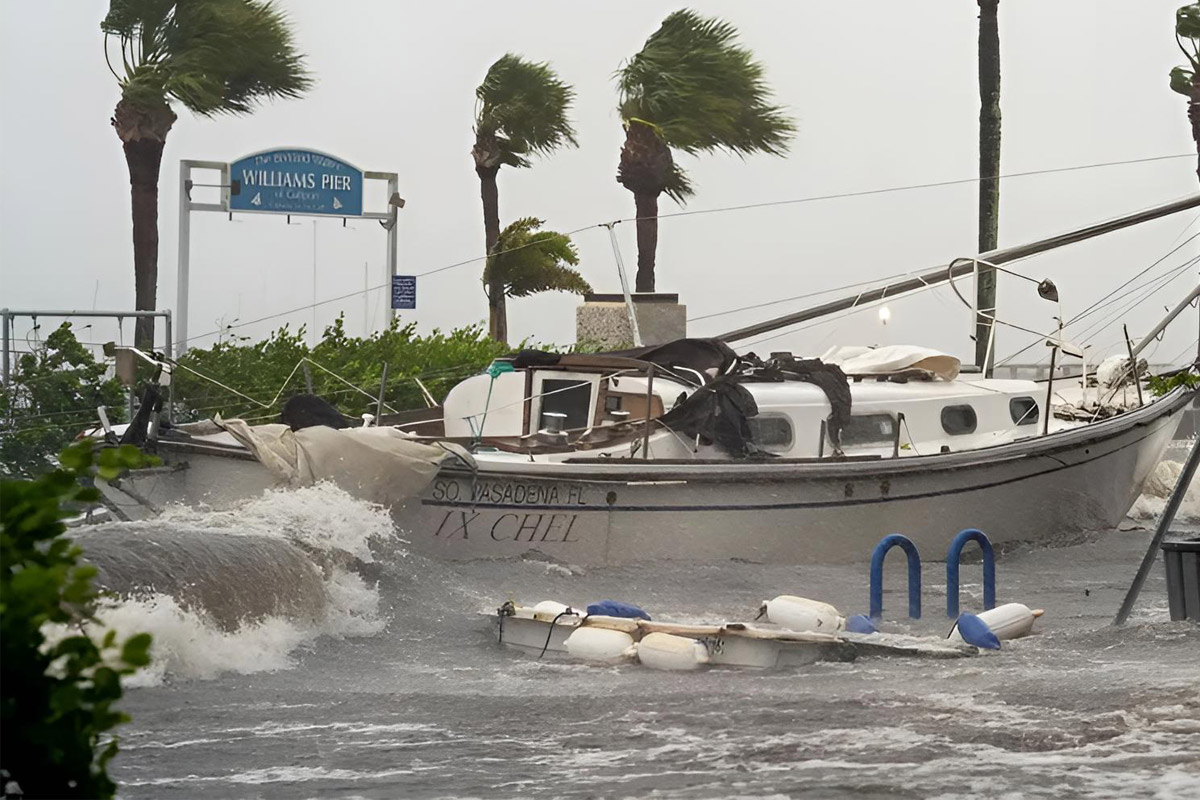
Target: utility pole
[989,178]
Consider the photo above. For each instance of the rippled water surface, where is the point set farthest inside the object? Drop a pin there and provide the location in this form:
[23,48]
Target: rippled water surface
[400,689]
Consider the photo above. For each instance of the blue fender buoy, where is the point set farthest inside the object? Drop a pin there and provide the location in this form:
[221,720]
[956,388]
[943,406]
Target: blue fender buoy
[860,623]
[989,570]
[615,608]
[914,574]
[975,631]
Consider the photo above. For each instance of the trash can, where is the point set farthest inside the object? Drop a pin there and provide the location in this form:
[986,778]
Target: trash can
[1182,560]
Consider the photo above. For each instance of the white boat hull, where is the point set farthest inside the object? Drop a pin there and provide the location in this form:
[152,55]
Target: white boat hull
[619,511]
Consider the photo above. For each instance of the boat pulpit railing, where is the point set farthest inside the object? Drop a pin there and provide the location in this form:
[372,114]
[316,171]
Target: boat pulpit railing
[954,554]
[914,574]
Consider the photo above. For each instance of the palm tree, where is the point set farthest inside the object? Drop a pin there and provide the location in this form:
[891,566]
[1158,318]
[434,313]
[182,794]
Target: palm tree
[692,89]
[526,261]
[520,111]
[1186,80]
[214,57]
[988,57]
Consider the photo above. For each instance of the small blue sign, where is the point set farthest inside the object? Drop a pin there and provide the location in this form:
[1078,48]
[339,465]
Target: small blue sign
[295,182]
[404,291]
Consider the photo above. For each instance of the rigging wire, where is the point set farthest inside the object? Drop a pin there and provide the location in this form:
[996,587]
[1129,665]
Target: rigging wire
[1087,311]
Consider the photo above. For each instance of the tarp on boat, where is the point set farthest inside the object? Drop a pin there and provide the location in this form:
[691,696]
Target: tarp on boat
[380,465]
[896,359]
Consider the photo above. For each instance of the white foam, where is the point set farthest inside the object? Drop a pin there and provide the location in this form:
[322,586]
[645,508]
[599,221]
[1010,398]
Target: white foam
[1158,488]
[189,645]
[321,517]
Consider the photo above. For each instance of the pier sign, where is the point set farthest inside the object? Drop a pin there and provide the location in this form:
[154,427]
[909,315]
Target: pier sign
[295,182]
[404,291]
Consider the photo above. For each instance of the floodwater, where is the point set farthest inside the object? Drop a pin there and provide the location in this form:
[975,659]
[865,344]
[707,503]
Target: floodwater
[393,685]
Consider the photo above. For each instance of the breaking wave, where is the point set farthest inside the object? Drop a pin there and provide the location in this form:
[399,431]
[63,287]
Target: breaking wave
[243,590]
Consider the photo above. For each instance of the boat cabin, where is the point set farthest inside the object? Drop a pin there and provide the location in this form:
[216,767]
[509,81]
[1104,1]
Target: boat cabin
[900,402]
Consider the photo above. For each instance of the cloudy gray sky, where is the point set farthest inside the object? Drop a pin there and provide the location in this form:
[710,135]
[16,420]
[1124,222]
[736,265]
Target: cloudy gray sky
[884,95]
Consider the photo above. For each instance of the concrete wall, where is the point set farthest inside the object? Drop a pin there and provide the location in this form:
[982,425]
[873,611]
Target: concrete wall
[603,320]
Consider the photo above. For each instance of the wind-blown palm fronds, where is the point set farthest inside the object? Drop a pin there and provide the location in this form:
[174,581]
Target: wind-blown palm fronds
[212,56]
[691,88]
[520,111]
[527,260]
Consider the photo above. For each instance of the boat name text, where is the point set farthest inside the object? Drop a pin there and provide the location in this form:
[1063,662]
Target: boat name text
[531,494]
[549,528]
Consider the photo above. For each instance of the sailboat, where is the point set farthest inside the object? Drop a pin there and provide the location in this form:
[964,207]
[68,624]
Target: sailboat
[691,450]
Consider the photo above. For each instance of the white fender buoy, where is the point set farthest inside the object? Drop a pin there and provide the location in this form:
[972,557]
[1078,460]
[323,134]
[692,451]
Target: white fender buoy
[549,609]
[802,614]
[1009,621]
[599,644]
[671,652]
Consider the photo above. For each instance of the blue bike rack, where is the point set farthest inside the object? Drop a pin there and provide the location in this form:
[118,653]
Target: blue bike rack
[989,570]
[914,574]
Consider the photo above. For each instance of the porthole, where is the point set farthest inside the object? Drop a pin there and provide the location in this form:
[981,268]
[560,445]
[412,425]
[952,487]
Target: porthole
[771,432]
[869,429]
[959,420]
[1023,410]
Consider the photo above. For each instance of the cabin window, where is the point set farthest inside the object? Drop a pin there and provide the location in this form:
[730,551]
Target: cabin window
[869,429]
[573,398]
[1023,410]
[771,432]
[957,420]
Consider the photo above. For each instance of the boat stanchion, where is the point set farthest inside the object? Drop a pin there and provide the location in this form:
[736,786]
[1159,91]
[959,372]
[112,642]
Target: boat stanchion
[914,574]
[989,570]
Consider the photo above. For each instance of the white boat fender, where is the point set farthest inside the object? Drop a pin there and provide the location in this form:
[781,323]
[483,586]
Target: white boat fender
[549,608]
[556,611]
[599,644]
[1009,621]
[860,623]
[670,652]
[972,630]
[802,614]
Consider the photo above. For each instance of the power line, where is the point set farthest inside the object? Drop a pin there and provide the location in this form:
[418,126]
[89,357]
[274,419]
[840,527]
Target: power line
[719,210]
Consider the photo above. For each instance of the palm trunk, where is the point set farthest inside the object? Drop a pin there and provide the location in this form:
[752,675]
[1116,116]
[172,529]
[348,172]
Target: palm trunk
[989,174]
[144,157]
[490,195]
[1194,115]
[647,238]
[143,133]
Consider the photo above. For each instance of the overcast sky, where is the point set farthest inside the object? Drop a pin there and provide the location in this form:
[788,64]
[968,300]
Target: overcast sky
[884,95]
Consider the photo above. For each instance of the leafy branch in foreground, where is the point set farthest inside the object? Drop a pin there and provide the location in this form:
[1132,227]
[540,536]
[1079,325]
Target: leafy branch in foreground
[57,707]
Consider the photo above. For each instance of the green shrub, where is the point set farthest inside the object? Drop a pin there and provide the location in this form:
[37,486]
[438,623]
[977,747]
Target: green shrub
[52,395]
[1162,384]
[58,696]
[262,369]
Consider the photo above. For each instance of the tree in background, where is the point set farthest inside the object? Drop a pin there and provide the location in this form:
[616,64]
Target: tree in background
[59,691]
[1186,79]
[520,111]
[214,57]
[692,89]
[526,261]
[989,173]
[53,394]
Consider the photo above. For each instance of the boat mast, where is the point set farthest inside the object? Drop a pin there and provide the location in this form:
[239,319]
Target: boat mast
[963,267]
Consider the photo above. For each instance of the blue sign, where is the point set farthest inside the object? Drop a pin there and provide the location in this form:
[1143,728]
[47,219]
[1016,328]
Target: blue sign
[404,291]
[295,182]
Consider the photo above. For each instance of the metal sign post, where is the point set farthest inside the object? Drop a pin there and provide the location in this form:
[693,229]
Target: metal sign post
[289,181]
